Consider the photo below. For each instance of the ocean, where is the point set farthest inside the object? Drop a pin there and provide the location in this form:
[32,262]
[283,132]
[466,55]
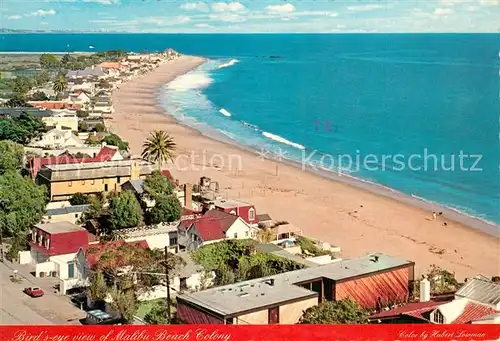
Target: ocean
[416,113]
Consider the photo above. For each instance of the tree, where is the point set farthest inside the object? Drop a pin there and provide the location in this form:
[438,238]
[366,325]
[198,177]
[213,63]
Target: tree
[42,78]
[157,315]
[99,127]
[124,302]
[124,210]
[22,85]
[441,280]
[266,235]
[345,311]
[82,113]
[115,140]
[157,185]
[158,148]
[23,203]
[83,126]
[59,85]
[79,199]
[39,96]
[21,129]
[17,102]
[167,209]
[48,61]
[97,289]
[66,59]
[11,156]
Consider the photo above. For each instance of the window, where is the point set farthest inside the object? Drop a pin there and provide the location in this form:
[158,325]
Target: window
[236,235]
[233,212]
[76,216]
[438,317]
[33,235]
[251,214]
[93,182]
[105,187]
[246,234]
[274,315]
[173,241]
[83,182]
[71,270]
[183,283]
[70,183]
[118,179]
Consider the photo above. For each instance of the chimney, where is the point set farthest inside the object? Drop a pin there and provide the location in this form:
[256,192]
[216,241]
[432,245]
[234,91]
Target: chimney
[188,196]
[425,290]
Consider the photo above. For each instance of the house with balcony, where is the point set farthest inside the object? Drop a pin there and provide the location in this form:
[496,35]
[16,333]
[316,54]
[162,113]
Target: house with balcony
[59,137]
[282,298]
[239,208]
[88,176]
[212,227]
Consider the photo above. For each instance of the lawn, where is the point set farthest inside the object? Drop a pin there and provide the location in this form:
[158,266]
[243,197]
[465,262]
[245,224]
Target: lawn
[146,306]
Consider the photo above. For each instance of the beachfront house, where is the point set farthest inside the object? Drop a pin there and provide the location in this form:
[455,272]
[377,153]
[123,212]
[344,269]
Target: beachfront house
[90,176]
[239,208]
[212,227]
[59,137]
[282,298]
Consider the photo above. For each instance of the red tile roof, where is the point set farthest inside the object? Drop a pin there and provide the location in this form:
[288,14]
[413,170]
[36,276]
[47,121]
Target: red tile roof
[214,225]
[412,309]
[166,172]
[55,105]
[94,252]
[105,154]
[473,312]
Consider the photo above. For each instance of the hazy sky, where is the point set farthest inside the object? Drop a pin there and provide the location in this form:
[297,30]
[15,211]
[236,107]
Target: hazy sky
[254,16]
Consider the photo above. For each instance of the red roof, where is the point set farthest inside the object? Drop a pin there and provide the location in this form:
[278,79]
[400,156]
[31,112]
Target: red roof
[55,105]
[473,312]
[105,154]
[97,250]
[412,309]
[166,172]
[213,225]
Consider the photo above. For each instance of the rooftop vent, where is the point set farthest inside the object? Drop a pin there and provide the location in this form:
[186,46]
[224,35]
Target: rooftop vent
[270,282]
[375,259]
[244,294]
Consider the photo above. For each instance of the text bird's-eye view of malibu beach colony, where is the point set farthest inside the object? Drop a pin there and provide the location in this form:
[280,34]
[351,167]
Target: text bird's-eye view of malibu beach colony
[249,162]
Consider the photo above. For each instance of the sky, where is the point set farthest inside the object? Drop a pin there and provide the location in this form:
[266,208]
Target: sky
[253,16]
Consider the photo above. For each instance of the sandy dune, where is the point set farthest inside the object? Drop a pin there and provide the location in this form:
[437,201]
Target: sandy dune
[358,220]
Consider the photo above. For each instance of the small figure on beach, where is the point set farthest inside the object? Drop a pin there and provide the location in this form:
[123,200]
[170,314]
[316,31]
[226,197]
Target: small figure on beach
[434,215]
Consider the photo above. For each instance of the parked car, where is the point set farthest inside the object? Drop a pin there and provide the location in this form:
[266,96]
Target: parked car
[33,292]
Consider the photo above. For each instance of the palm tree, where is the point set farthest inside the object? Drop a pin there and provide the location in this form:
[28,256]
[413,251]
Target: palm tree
[158,147]
[59,85]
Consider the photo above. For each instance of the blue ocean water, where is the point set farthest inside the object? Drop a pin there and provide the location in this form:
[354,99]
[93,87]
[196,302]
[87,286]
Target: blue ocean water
[403,107]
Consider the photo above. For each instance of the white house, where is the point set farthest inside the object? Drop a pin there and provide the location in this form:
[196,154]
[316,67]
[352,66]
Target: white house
[63,118]
[212,227]
[79,97]
[58,138]
[88,87]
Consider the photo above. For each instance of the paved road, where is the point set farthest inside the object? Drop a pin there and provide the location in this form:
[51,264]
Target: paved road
[18,308]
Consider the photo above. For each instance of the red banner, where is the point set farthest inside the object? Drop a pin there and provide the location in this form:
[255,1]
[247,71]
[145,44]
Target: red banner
[255,333]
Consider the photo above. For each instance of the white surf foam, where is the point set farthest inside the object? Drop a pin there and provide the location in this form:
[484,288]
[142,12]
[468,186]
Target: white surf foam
[280,139]
[189,81]
[230,63]
[225,112]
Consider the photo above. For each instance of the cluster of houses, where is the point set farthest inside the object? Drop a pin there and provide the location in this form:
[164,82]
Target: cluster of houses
[65,250]
[88,91]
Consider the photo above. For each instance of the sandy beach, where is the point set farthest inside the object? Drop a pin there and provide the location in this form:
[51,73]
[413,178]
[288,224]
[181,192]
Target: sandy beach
[359,220]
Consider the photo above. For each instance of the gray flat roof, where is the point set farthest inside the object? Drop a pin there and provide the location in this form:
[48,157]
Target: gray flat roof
[229,203]
[228,300]
[246,296]
[68,209]
[481,290]
[59,227]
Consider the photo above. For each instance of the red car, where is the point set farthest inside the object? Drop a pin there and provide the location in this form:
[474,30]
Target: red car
[33,292]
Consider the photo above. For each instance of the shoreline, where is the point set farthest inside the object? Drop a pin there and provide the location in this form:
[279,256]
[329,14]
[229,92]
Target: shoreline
[147,96]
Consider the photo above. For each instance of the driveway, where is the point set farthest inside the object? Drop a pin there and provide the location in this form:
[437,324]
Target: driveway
[18,308]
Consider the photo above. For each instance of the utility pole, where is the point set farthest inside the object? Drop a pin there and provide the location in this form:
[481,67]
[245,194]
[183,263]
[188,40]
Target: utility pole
[2,206]
[168,285]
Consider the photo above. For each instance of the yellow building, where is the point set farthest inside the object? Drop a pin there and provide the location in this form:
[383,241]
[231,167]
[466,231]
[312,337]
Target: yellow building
[64,180]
